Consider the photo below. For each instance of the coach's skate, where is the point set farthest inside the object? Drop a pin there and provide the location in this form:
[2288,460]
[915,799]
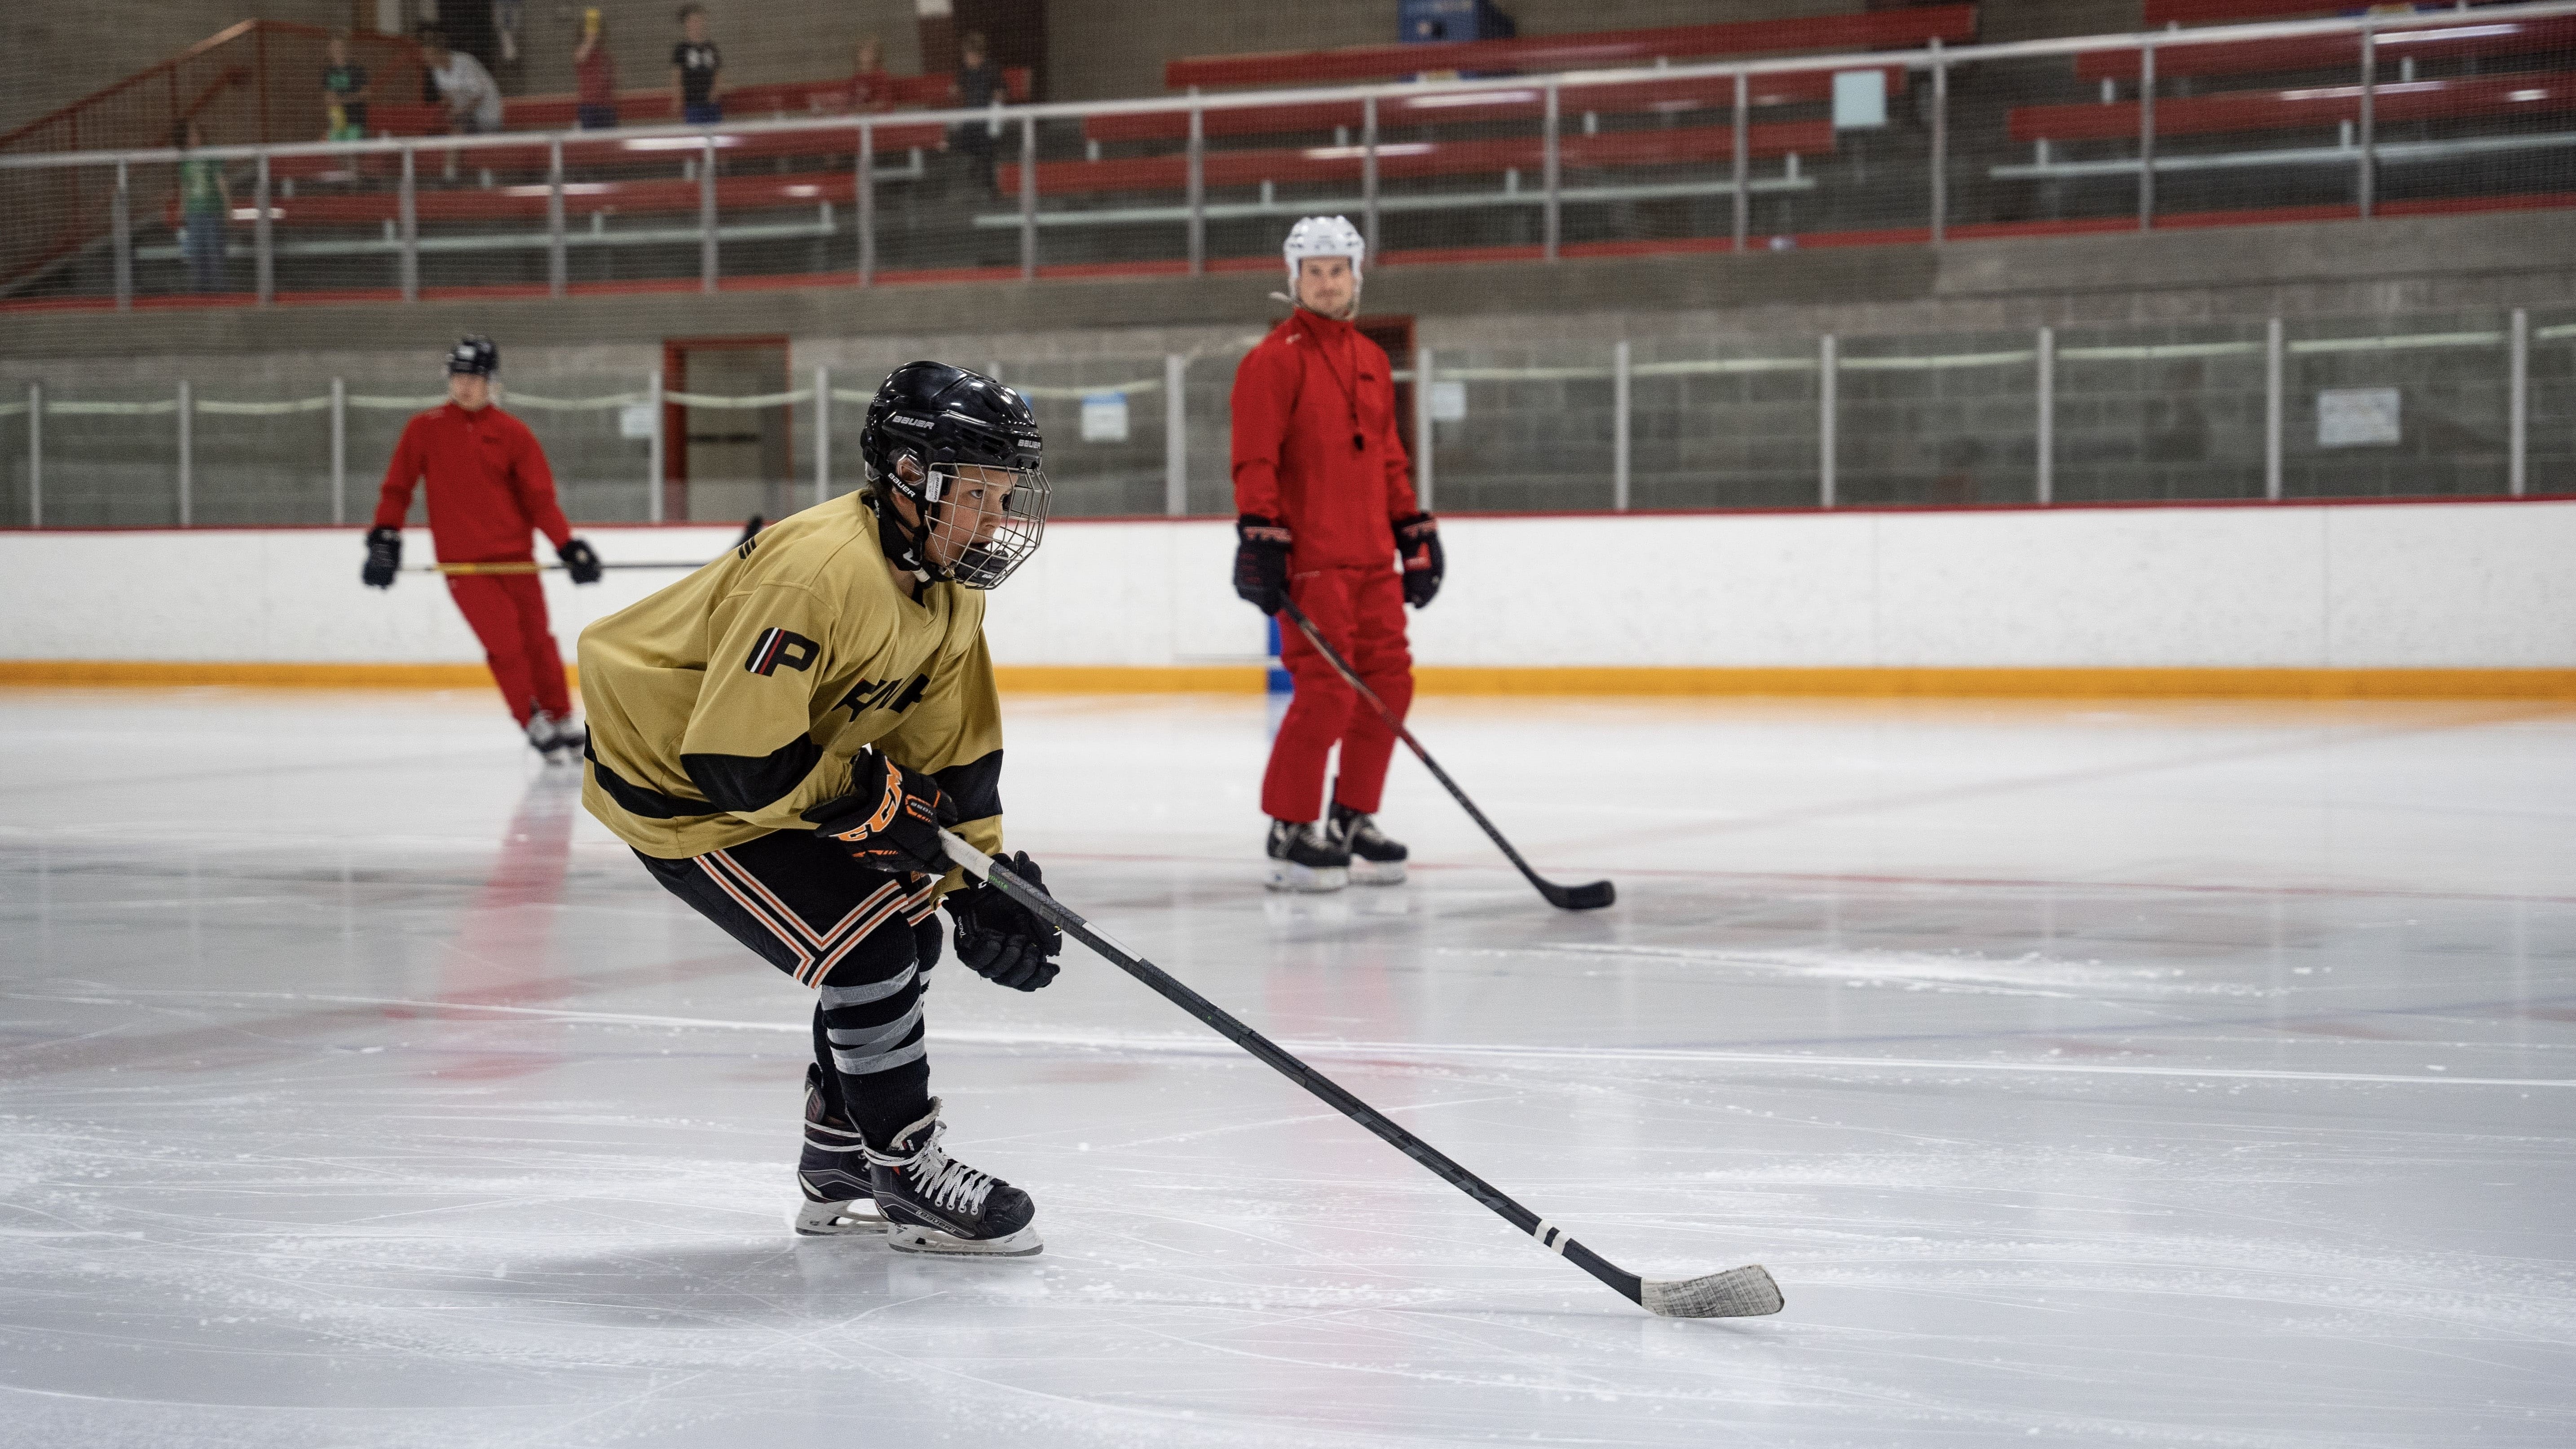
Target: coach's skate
[934,1204]
[1306,858]
[832,1176]
[1375,860]
[559,740]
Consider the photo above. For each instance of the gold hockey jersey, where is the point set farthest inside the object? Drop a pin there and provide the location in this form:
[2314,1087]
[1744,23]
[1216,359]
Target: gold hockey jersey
[726,705]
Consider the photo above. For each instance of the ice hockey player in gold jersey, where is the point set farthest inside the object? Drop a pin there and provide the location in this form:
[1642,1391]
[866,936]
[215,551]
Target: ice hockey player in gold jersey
[780,736]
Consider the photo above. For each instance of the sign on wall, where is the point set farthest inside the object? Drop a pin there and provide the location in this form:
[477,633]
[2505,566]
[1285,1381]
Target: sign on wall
[635,420]
[1448,402]
[1104,417]
[1860,99]
[2349,417]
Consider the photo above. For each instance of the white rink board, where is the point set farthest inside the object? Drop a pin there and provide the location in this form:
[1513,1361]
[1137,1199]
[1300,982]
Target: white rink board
[2473,585]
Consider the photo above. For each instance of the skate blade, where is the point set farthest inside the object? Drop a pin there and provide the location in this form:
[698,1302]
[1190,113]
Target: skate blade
[907,1238]
[1306,879]
[857,1217]
[1376,872]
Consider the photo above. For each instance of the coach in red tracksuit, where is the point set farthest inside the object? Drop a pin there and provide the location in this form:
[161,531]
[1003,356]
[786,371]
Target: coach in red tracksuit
[489,489]
[1325,497]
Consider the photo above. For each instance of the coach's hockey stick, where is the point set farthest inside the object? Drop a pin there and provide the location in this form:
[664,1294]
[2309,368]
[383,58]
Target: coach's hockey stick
[528,566]
[1746,1292]
[1590,897]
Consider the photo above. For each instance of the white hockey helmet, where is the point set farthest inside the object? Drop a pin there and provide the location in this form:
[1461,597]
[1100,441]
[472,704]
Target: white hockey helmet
[1324,236]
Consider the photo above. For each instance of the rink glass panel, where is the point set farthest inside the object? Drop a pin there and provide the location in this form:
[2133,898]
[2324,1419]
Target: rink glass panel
[1944,419]
[2552,461]
[2448,375]
[1722,423]
[2146,413]
[1536,434]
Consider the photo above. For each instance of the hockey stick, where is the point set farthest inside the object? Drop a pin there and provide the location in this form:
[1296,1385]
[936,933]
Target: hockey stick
[1590,897]
[1746,1292]
[528,567]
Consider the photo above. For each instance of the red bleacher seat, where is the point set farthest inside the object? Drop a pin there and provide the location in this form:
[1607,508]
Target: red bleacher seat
[1461,107]
[2475,38]
[2491,95]
[1654,147]
[2157,14]
[1876,30]
[531,158]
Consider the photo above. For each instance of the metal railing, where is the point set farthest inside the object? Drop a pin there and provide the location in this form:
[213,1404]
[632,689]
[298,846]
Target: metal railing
[809,197]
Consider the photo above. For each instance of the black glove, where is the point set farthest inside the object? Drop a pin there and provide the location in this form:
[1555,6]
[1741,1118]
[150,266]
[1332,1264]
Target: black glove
[1003,940]
[579,561]
[1261,562]
[1417,544]
[384,558]
[890,819]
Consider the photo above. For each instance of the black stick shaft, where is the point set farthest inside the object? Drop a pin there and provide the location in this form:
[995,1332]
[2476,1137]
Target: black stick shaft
[1333,1094]
[1351,676]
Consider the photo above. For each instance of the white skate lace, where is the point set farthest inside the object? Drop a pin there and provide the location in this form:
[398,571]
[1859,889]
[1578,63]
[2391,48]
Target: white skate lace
[937,1177]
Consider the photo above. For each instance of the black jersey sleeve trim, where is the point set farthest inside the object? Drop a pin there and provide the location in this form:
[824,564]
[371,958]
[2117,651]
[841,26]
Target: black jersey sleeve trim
[640,800]
[974,790]
[743,784]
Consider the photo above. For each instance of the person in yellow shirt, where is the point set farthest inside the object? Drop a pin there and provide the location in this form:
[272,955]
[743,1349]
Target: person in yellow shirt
[781,735]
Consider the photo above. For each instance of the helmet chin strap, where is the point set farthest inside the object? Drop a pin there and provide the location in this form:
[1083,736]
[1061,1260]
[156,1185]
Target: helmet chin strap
[906,545]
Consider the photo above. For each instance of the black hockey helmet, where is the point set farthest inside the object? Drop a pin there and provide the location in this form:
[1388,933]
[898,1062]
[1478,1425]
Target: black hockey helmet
[946,419]
[474,354]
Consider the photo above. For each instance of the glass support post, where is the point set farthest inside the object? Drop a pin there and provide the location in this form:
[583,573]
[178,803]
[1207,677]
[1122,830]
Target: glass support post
[1368,170]
[1827,349]
[707,213]
[408,207]
[2046,423]
[558,270]
[2517,449]
[1176,435]
[1551,169]
[121,227]
[1422,470]
[1028,198]
[2146,136]
[2272,409]
[35,455]
[187,455]
[1198,188]
[822,436]
[263,238]
[653,448]
[1940,144]
[1743,159]
[1621,454]
[339,450]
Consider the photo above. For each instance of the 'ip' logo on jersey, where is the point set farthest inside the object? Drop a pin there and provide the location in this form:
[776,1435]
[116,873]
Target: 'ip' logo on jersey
[777,647]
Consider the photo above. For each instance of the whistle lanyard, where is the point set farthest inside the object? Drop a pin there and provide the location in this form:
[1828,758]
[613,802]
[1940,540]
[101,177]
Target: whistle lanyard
[1349,390]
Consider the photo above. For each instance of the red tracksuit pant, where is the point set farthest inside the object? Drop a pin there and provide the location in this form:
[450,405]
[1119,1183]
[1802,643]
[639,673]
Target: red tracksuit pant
[1360,612]
[508,613]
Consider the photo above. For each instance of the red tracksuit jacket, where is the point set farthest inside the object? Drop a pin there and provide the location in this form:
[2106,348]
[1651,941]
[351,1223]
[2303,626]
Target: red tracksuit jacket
[489,486]
[1315,445]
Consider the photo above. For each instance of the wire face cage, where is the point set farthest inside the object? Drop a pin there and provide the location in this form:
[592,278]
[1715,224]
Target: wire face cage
[988,519]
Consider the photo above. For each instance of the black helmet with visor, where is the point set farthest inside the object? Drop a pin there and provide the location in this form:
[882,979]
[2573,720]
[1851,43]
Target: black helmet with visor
[979,483]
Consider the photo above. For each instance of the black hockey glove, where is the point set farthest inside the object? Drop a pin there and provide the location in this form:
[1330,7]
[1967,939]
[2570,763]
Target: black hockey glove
[384,558]
[1417,544]
[1261,562]
[1003,940]
[890,819]
[579,561]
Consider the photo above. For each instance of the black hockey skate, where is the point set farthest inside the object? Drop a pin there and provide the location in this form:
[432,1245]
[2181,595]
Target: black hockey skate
[1375,860]
[559,740]
[832,1176]
[1306,858]
[934,1204]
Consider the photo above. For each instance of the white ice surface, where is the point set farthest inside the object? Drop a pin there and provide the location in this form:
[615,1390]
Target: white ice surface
[2193,1075]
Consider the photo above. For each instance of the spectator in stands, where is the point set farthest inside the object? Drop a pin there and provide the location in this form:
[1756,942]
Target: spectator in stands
[979,82]
[345,91]
[697,68]
[472,97]
[870,88]
[594,74]
[205,209]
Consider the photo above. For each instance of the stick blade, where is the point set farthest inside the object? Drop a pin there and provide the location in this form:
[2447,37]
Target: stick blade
[1746,1292]
[1593,897]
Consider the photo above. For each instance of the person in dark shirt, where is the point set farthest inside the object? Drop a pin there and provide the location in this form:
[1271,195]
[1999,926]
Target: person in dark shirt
[979,82]
[345,92]
[696,67]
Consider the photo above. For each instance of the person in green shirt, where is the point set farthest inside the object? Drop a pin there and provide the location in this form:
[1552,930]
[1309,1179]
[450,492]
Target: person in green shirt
[346,89]
[205,209]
